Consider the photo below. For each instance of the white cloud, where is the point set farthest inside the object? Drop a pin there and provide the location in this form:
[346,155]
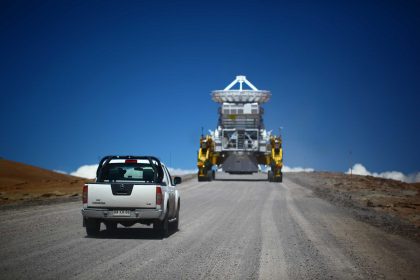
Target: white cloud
[359,169]
[178,171]
[297,169]
[86,171]
[265,168]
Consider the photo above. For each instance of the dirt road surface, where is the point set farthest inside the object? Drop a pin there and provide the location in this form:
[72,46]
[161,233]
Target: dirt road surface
[229,229]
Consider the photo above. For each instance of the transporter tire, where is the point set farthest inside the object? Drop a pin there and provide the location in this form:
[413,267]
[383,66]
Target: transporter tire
[270,176]
[92,227]
[280,179]
[202,178]
[210,175]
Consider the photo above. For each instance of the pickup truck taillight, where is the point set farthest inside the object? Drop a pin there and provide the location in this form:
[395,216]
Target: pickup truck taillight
[158,196]
[85,194]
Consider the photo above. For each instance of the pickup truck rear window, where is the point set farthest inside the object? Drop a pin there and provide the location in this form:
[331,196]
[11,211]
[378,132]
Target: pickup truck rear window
[114,172]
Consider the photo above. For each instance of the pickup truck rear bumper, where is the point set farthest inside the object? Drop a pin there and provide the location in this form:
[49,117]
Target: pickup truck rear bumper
[136,214]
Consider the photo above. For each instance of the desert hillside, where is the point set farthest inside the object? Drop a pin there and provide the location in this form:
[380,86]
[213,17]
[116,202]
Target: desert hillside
[370,194]
[21,182]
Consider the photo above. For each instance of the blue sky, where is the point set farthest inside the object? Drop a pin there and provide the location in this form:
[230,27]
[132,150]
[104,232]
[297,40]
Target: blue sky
[83,79]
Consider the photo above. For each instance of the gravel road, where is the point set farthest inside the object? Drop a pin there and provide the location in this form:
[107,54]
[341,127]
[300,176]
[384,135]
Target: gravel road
[229,229]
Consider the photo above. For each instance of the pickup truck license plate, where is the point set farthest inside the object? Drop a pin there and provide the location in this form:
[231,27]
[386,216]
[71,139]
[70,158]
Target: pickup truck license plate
[122,213]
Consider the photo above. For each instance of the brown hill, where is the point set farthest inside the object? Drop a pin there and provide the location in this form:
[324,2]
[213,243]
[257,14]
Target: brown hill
[394,198]
[21,182]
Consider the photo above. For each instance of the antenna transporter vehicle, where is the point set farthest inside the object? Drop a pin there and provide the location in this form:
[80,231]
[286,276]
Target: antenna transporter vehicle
[240,143]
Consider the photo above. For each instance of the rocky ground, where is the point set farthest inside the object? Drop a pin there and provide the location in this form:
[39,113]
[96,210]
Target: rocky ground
[389,204]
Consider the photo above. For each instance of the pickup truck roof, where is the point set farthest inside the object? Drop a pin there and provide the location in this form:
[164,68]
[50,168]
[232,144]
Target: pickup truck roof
[154,162]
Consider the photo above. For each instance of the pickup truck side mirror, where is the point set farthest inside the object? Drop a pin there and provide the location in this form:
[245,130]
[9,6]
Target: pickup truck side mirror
[177,180]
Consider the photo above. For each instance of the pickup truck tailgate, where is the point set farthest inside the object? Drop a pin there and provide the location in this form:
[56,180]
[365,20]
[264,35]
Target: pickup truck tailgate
[121,195]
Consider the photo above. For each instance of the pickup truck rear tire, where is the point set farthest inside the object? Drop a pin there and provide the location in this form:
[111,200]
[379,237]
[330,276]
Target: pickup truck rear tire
[92,227]
[162,227]
[111,226]
[175,224]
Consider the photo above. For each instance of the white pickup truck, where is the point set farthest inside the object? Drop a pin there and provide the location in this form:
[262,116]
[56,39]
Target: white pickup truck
[130,190]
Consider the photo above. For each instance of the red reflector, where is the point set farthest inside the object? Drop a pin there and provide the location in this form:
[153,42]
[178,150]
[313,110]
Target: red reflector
[158,196]
[131,161]
[85,194]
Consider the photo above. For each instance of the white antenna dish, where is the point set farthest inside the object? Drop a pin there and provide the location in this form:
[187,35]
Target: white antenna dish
[229,95]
